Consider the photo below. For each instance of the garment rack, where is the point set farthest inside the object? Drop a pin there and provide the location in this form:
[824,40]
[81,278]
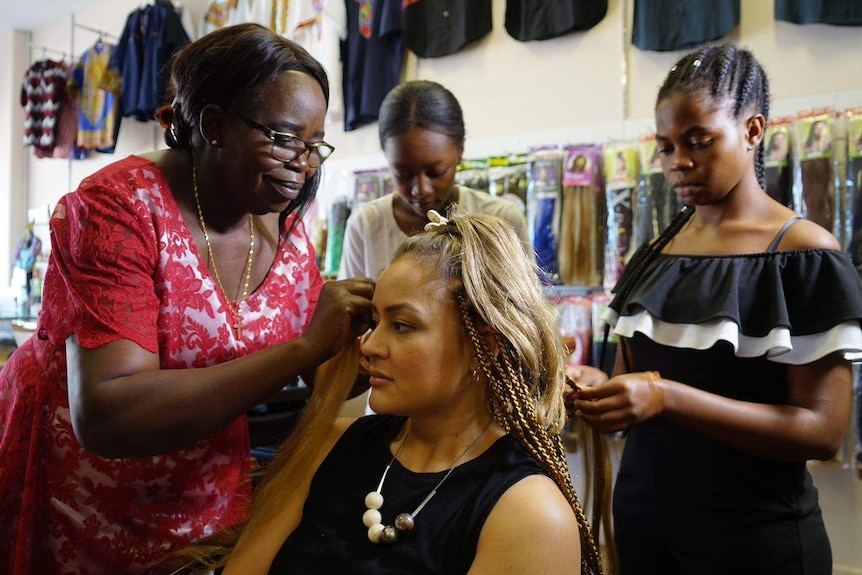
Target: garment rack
[101,33]
[48,50]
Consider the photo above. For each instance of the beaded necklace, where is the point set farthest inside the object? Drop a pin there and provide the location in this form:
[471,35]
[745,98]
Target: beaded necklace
[234,310]
[379,533]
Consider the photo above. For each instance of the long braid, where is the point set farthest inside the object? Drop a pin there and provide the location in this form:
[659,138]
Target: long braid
[759,161]
[514,410]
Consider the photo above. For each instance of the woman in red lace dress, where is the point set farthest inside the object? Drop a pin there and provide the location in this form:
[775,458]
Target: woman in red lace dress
[181,291]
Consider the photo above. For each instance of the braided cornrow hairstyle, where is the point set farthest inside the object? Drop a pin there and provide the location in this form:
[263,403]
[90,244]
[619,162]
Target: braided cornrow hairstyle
[728,75]
[496,285]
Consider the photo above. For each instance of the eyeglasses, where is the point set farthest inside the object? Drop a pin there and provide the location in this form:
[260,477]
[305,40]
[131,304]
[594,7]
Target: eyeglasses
[287,147]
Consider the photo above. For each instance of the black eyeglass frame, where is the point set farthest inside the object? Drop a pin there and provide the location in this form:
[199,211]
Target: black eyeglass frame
[274,135]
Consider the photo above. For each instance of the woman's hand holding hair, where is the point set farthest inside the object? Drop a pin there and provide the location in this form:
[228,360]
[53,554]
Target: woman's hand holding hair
[579,377]
[343,313]
[620,402]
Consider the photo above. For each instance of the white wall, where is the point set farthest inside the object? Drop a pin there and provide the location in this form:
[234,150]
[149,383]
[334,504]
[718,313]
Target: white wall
[12,157]
[570,89]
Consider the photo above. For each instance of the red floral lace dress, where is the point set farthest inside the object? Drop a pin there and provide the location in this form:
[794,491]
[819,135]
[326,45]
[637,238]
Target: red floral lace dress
[124,266]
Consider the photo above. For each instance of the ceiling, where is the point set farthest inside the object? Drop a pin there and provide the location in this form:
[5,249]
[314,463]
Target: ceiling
[34,14]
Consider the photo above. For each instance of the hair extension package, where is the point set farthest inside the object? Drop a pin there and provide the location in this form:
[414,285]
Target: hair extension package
[339,211]
[816,191]
[507,178]
[778,170]
[473,174]
[621,175]
[656,203]
[575,321]
[851,184]
[581,254]
[543,207]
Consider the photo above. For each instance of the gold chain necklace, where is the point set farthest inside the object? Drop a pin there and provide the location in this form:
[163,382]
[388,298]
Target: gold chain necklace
[234,310]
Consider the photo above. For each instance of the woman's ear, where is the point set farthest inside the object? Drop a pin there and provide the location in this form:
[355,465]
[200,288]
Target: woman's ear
[486,333]
[755,128]
[212,124]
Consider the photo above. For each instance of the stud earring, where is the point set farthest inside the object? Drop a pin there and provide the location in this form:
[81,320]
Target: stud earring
[214,143]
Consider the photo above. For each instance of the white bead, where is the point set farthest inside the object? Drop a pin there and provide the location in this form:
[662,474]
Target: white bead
[371,517]
[374,532]
[374,500]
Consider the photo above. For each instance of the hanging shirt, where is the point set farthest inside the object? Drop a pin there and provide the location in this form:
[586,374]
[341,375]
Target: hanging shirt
[546,19]
[434,28]
[151,36]
[664,25]
[97,107]
[42,92]
[372,65]
[837,12]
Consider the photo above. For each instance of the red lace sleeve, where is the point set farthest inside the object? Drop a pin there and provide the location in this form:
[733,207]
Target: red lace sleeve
[99,284]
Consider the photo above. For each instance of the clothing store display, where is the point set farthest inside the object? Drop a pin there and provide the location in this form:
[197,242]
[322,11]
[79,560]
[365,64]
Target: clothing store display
[728,325]
[546,19]
[837,12]
[621,174]
[331,537]
[320,26]
[43,91]
[372,234]
[778,170]
[55,496]
[65,128]
[544,193]
[140,63]
[666,25]
[98,116]
[580,239]
[434,28]
[372,58]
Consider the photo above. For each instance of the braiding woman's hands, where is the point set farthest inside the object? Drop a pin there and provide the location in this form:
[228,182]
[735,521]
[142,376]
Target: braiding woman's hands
[620,402]
[342,314]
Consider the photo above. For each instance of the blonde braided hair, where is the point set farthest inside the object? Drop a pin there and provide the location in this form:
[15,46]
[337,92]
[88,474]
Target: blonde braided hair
[496,285]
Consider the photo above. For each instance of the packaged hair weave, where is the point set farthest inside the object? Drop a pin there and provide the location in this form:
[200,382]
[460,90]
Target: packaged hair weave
[543,205]
[655,202]
[367,185]
[778,170]
[621,173]
[852,183]
[339,211]
[816,188]
[507,177]
[574,319]
[473,174]
[581,250]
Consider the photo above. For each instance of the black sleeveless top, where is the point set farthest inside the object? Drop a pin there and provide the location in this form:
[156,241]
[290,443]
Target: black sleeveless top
[730,325]
[331,537]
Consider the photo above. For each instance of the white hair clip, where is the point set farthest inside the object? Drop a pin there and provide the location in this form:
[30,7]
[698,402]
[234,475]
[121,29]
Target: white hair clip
[437,221]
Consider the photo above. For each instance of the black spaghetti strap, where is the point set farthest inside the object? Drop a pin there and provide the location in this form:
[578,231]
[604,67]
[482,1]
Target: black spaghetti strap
[780,235]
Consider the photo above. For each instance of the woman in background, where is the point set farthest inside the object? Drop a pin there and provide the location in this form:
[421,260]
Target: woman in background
[422,134]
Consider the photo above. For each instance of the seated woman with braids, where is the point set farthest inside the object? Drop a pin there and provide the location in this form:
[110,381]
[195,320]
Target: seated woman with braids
[736,328]
[463,469]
